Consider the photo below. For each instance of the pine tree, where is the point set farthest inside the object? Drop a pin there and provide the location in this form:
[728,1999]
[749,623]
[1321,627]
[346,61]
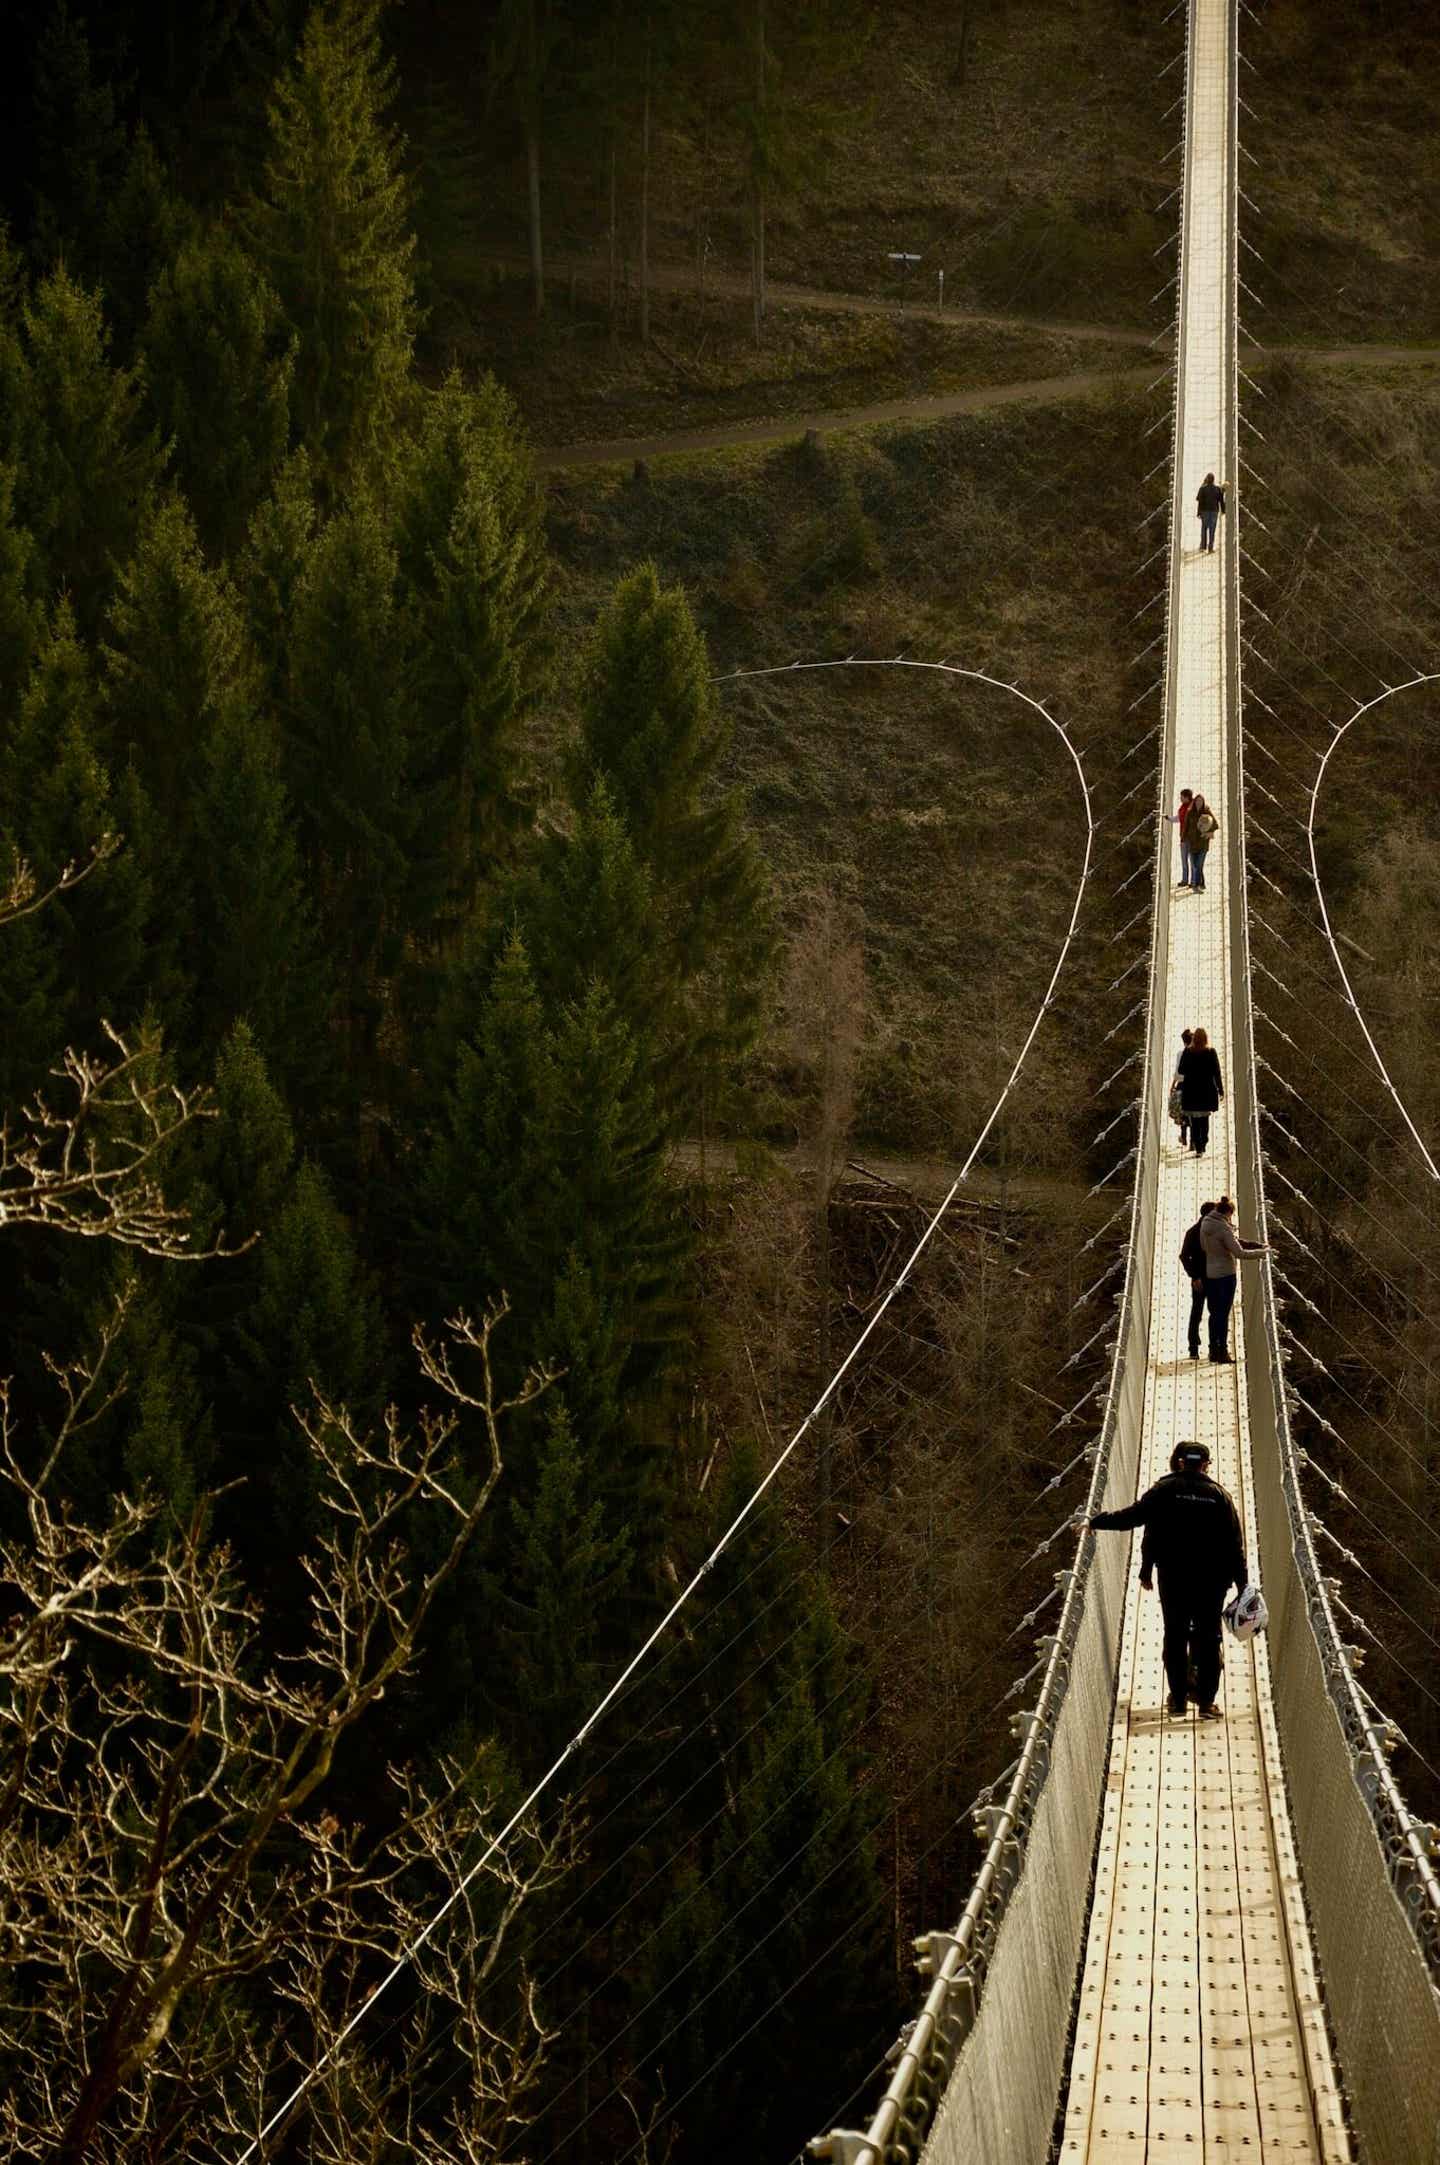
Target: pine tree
[344,751]
[72,430]
[781,1859]
[618,1311]
[79,145]
[564,1568]
[471,558]
[256,953]
[83,957]
[488,1187]
[650,725]
[20,614]
[328,226]
[588,907]
[272,564]
[218,367]
[175,660]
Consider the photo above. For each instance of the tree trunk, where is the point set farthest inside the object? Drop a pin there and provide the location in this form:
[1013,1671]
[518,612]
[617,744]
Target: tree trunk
[757,234]
[537,256]
[645,198]
[614,251]
[532,153]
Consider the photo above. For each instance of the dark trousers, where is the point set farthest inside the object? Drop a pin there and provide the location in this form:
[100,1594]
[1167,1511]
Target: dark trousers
[1207,528]
[1191,1608]
[1199,1130]
[1220,1299]
[1197,869]
[1197,1309]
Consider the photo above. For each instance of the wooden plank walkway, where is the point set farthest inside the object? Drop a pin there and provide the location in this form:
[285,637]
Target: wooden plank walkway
[1199,2033]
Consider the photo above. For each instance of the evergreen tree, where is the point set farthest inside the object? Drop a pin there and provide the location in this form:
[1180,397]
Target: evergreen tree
[255,950]
[344,751]
[617,1312]
[275,557]
[82,958]
[588,907]
[20,614]
[564,1567]
[72,430]
[328,227]
[175,660]
[218,368]
[471,558]
[79,145]
[488,1186]
[770,1855]
[650,725]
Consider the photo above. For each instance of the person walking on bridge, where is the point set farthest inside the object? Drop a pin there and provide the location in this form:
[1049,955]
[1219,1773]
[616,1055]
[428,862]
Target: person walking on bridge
[1192,1262]
[1193,1539]
[1201,1088]
[1177,820]
[1223,1250]
[1200,830]
[1210,503]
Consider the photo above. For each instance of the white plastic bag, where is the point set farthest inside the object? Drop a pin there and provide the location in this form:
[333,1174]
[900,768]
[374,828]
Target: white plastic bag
[1247,1613]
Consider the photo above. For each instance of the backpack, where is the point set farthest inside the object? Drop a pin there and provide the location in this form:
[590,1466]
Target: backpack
[1192,1255]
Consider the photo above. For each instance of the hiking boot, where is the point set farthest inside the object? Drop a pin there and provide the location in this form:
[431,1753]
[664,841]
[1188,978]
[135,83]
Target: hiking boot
[1223,1360]
[1176,1705]
[1210,1712]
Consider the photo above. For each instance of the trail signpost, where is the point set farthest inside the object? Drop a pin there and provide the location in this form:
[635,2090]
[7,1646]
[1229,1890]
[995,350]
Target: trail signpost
[907,264]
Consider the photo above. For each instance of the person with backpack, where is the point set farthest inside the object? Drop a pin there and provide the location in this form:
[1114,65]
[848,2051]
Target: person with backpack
[1210,503]
[1201,1087]
[1177,1101]
[1223,1250]
[1193,1539]
[1192,1262]
[1200,830]
[1178,819]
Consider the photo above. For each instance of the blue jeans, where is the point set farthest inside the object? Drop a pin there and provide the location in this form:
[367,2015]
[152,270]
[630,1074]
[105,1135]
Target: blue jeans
[1207,529]
[1220,1299]
[1187,862]
[1197,868]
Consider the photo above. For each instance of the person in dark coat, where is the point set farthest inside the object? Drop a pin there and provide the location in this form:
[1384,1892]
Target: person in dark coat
[1193,1539]
[1210,503]
[1200,830]
[1192,1262]
[1201,1088]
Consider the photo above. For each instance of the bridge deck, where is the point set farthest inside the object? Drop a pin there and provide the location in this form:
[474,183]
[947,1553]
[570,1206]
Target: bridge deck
[1199,2032]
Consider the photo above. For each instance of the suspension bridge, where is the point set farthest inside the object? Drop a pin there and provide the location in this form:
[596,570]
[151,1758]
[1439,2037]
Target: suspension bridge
[1185,1940]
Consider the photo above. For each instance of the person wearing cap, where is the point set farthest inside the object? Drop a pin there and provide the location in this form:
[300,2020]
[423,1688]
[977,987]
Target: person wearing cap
[1193,1539]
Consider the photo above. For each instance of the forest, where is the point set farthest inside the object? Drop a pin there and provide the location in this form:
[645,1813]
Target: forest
[468,1069]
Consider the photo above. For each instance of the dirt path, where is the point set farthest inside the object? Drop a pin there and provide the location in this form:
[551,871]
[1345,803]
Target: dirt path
[1040,390]
[680,278]
[1043,390]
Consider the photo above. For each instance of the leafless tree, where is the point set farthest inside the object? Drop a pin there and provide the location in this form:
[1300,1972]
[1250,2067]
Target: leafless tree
[186,1926]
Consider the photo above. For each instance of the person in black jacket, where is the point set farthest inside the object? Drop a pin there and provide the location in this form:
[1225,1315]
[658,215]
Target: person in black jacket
[1192,1262]
[1193,1539]
[1201,1087]
[1209,502]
